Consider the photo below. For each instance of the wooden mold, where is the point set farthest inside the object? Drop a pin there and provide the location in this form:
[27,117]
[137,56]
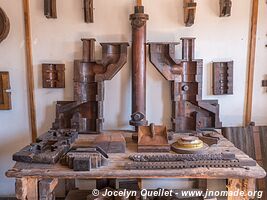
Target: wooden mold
[111,143]
[50,9]
[189,12]
[5,94]
[4,25]
[189,111]
[264,83]
[85,158]
[88,11]
[85,113]
[223,78]
[153,139]
[48,148]
[225,8]
[53,75]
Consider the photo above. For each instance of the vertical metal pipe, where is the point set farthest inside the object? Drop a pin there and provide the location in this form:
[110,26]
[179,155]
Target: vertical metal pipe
[138,67]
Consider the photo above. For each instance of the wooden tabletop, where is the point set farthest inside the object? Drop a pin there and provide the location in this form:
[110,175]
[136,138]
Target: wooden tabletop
[115,169]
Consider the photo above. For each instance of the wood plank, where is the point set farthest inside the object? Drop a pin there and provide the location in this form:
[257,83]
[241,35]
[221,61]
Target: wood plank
[32,189]
[115,169]
[46,189]
[21,188]
[29,66]
[263,139]
[245,185]
[252,51]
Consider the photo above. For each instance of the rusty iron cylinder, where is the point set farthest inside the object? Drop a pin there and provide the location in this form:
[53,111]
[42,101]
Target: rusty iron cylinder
[138,19]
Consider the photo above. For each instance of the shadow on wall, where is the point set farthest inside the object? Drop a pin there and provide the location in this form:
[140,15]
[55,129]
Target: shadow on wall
[7,185]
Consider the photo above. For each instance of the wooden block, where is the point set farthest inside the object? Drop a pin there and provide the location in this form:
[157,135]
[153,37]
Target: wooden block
[5,94]
[82,164]
[153,139]
[89,11]
[223,78]
[50,8]
[21,188]
[111,143]
[225,8]
[189,12]
[53,75]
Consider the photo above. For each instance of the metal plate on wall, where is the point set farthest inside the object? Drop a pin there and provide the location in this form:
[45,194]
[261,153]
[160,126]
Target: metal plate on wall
[4,25]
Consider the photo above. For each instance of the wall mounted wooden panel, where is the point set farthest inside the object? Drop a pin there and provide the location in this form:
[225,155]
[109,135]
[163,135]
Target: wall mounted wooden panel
[50,8]
[225,8]
[189,12]
[223,78]
[5,95]
[4,25]
[88,11]
[53,75]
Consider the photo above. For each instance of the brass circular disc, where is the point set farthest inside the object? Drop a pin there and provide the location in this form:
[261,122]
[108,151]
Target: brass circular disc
[4,25]
[189,145]
[188,150]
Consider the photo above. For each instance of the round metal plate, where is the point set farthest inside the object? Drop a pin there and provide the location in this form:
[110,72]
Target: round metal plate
[4,25]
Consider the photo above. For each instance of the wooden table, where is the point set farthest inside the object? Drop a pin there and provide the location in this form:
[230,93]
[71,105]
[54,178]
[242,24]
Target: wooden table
[35,181]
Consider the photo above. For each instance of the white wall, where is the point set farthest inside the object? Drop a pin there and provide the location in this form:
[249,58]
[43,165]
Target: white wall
[59,41]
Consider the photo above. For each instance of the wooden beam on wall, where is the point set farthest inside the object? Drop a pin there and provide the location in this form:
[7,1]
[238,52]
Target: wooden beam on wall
[251,65]
[29,67]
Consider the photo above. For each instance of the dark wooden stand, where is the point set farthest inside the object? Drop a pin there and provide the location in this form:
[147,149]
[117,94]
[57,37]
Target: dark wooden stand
[34,181]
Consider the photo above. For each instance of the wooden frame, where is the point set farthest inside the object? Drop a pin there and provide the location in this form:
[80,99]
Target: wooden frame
[88,11]
[4,25]
[5,94]
[53,75]
[50,9]
[223,78]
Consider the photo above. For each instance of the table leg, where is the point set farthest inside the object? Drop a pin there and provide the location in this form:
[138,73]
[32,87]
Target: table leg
[242,185]
[27,188]
[46,189]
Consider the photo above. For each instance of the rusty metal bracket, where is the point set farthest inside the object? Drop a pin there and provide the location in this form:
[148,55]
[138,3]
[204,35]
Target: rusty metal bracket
[223,78]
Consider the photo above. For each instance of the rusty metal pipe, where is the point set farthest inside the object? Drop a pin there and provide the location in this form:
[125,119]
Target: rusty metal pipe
[138,67]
